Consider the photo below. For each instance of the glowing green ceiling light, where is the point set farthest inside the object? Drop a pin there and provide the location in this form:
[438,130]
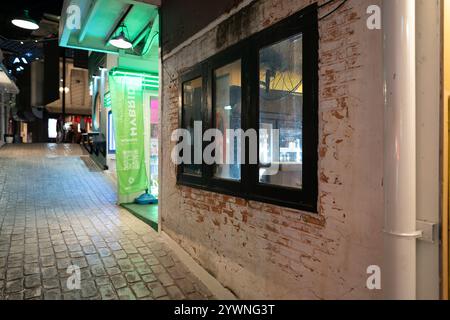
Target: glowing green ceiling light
[146,76]
[121,41]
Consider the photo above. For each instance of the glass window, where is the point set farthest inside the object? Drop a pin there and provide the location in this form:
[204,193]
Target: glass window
[192,112]
[280,113]
[259,85]
[227,106]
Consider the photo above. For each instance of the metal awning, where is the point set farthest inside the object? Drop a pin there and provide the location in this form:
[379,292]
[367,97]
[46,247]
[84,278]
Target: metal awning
[100,20]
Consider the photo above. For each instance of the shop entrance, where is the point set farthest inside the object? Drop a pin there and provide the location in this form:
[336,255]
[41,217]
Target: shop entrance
[149,212]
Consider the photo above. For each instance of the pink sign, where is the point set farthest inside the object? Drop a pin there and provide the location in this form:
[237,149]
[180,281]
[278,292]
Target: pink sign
[154,104]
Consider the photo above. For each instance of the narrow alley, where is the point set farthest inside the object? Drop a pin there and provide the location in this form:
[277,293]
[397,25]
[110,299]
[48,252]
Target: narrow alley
[58,210]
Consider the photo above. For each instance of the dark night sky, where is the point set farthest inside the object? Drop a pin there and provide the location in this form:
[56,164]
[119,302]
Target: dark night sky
[13,8]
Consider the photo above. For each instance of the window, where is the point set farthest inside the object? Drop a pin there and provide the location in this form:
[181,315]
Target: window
[227,115]
[280,108]
[266,85]
[192,113]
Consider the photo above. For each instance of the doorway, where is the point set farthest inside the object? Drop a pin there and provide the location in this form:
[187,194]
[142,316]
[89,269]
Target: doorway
[149,212]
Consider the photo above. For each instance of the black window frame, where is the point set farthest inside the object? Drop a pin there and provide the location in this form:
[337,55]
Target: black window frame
[195,73]
[237,52]
[247,50]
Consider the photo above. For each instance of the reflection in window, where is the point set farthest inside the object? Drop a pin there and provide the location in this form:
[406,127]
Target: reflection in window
[280,108]
[154,144]
[192,112]
[227,106]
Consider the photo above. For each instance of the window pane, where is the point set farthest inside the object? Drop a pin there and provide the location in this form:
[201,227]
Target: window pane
[227,104]
[281,113]
[192,112]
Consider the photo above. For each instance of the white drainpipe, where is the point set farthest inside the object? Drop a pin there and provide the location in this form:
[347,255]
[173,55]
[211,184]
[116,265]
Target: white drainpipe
[399,272]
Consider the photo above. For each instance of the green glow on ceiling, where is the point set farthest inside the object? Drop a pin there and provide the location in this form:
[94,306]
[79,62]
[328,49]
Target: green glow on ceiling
[98,23]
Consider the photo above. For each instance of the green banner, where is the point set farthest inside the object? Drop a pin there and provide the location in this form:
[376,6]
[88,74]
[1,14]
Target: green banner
[128,117]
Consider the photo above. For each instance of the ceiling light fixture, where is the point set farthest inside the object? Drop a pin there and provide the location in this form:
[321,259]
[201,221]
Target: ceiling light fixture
[25,22]
[121,41]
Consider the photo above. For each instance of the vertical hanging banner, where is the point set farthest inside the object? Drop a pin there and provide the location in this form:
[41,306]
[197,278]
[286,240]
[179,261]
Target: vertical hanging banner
[128,117]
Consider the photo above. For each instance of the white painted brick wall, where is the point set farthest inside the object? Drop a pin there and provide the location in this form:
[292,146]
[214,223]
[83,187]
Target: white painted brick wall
[263,251]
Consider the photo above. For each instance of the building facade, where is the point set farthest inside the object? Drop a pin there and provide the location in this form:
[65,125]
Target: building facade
[260,250]
[379,166]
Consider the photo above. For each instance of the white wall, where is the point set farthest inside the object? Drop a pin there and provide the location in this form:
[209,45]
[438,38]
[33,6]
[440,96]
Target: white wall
[428,44]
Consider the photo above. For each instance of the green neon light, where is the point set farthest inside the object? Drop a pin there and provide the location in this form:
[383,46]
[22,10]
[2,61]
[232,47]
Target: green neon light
[146,76]
[150,84]
[154,87]
[107,100]
[149,81]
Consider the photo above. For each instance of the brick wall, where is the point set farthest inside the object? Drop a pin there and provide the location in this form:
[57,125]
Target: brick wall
[263,251]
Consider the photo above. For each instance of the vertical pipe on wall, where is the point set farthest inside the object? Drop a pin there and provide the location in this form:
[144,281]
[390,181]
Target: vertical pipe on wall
[428,95]
[399,273]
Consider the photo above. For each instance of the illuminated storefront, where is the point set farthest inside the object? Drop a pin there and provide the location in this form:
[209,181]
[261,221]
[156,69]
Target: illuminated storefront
[123,40]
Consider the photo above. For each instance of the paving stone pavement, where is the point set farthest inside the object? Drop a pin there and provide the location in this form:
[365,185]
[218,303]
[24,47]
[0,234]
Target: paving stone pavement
[56,213]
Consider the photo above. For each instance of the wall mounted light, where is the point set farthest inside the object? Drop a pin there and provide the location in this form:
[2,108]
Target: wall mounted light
[121,41]
[25,22]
